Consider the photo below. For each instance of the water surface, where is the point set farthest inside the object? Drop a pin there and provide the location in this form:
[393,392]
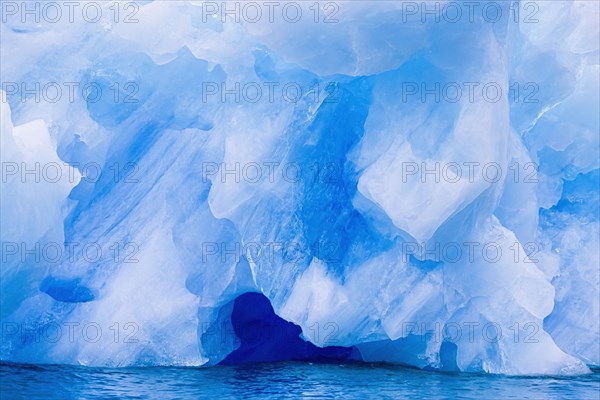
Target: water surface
[281,380]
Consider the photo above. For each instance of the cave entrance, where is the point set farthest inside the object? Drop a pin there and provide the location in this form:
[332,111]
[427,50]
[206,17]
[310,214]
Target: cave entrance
[264,336]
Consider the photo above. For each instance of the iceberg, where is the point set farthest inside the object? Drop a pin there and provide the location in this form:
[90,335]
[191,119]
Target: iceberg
[197,183]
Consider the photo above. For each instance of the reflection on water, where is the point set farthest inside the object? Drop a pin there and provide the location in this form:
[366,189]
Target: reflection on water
[277,380]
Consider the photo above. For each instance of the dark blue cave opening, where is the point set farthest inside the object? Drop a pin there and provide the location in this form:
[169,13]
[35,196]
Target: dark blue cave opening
[266,337]
[448,353]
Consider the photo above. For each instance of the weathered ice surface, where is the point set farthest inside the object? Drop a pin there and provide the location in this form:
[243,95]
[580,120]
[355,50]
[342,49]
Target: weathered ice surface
[357,180]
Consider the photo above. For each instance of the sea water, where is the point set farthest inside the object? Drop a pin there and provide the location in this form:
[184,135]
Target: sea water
[282,380]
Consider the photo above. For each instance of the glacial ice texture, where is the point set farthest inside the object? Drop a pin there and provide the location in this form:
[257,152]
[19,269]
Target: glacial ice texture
[357,180]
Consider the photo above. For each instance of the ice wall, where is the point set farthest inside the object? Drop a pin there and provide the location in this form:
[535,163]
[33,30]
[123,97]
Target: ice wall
[402,184]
